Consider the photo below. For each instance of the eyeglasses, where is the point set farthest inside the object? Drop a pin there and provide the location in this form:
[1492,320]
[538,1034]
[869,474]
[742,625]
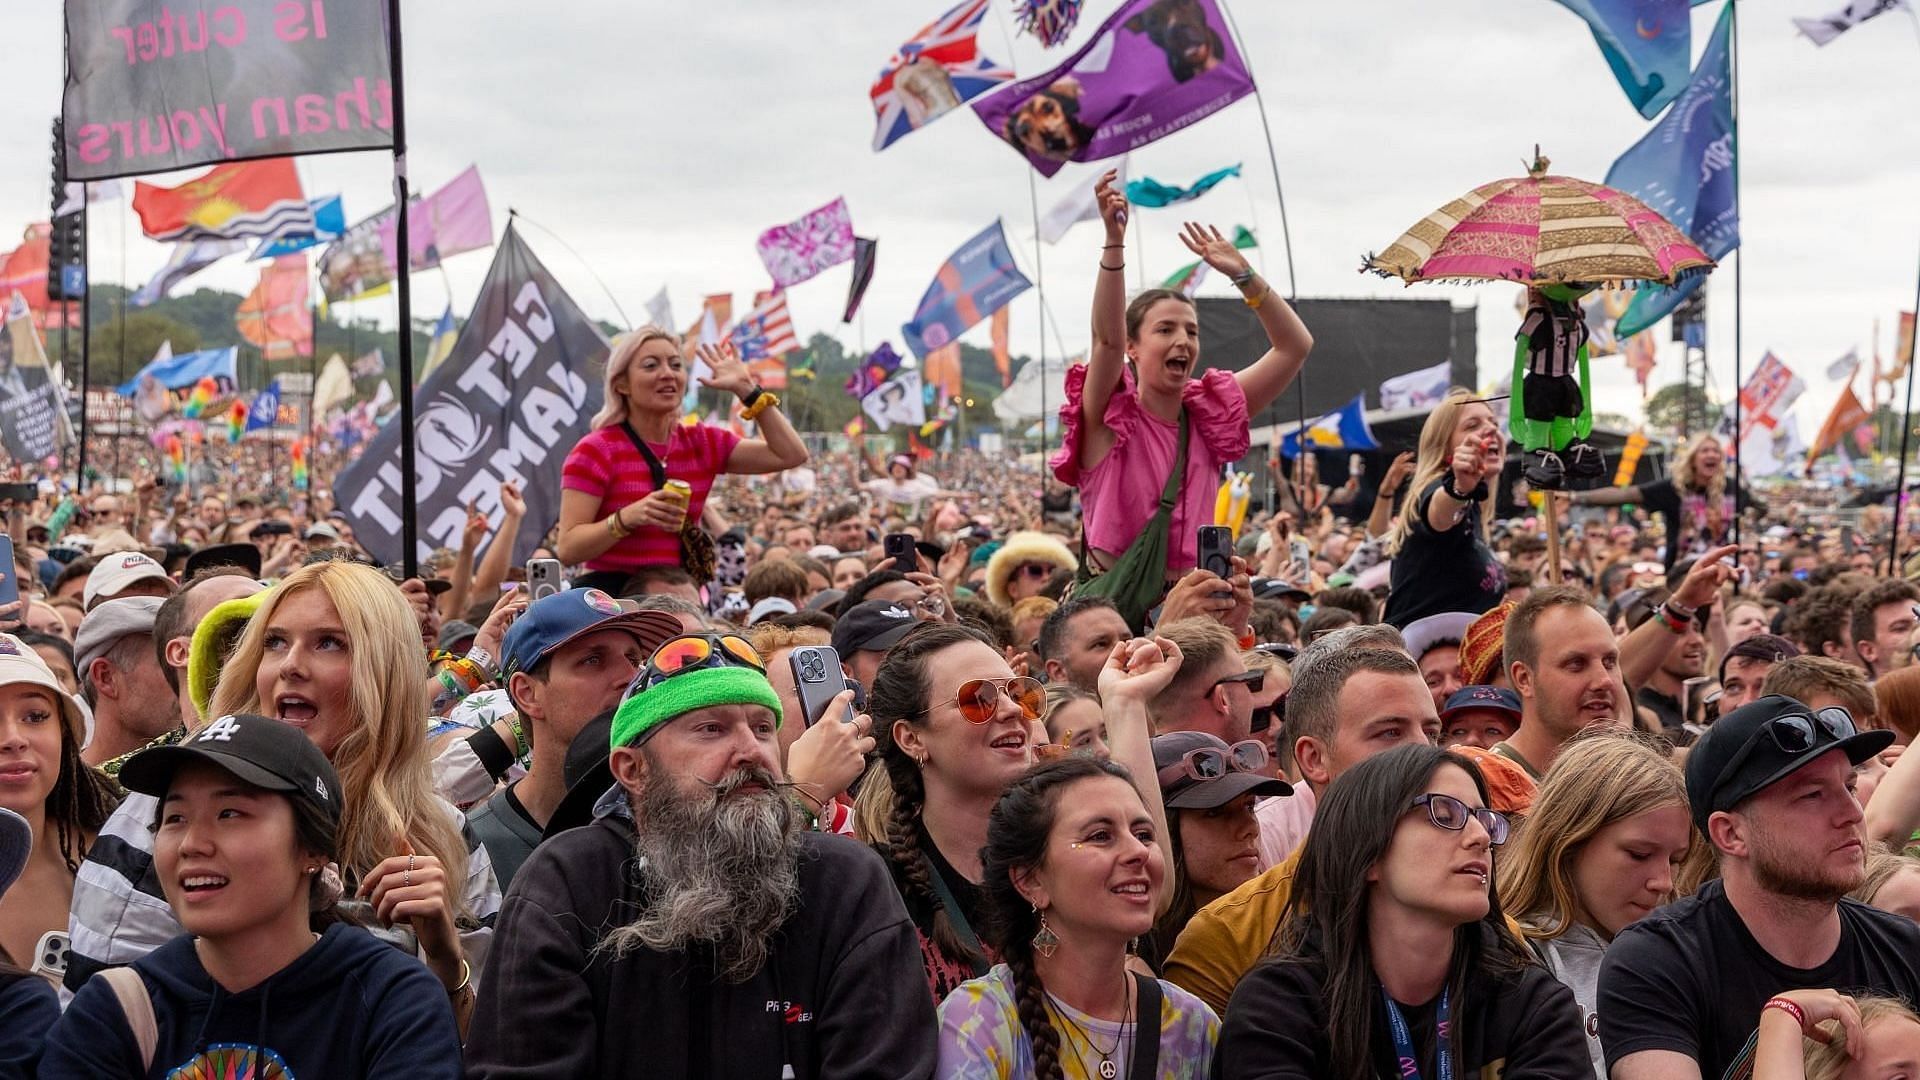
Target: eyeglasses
[1792,734]
[1034,570]
[1451,814]
[1278,648]
[1213,763]
[695,652]
[1254,681]
[979,699]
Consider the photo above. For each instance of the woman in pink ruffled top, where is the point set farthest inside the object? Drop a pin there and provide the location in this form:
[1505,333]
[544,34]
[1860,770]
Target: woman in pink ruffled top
[1123,406]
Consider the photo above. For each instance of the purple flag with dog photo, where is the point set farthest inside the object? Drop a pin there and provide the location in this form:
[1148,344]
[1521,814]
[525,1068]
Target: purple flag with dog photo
[1155,67]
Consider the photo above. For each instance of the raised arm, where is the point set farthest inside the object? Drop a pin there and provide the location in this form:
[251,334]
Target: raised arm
[1262,380]
[1606,496]
[1643,650]
[779,447]
[1382,517]
[1136,670]
[1472,463]
[493,565]
[1109,350]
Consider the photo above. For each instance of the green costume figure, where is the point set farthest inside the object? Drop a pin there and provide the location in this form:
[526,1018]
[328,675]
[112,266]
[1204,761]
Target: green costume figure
[1550,411]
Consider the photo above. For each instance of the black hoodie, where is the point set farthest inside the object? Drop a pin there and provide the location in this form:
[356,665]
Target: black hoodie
[350,1006]
[843,996]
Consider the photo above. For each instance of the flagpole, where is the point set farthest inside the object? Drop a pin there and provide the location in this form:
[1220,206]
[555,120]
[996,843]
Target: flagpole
[86,347]
[1906,431]
[409,505]
[1739,262]
[1040,290]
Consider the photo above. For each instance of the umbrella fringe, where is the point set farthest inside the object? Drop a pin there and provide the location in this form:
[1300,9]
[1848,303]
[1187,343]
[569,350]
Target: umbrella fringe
[1371,265]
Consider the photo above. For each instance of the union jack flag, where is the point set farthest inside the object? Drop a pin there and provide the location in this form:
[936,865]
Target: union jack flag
[936,70]
[766,333]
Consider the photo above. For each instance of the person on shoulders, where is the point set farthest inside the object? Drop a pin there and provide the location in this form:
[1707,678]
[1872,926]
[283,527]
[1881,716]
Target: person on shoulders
[1393,958]
[1770,785]
[1441,560]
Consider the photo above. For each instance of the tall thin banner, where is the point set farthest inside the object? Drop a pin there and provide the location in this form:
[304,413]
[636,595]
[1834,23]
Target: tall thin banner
[974,282]
[1153,68]
[517,393]
[158,85]
[33,420]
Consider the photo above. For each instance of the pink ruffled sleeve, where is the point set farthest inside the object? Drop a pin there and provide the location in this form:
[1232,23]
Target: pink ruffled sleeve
[1217,412]
[1123,412]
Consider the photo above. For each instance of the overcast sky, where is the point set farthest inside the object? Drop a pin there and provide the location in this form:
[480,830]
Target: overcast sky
[660,141]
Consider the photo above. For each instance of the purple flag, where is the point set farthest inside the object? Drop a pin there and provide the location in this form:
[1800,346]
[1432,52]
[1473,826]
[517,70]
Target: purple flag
[447,222]
[878,368]
[1155,67]
[798,250]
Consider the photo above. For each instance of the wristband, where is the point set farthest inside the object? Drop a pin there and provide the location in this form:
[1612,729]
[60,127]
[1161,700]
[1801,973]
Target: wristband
[614,526]
[1112,269]
[1680,610]
[751,396]
[494,754]
[1241,279]
[1790,1008]
[485,659]
[1255,301]
[1674,622]
[1478,494]
[520,745]
[762,401]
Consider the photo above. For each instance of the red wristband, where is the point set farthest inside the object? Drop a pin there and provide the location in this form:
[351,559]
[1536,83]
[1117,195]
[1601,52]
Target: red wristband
[1790,1008]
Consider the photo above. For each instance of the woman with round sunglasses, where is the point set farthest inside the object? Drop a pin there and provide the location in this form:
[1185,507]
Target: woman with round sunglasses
[1071,865]
[1393,957]
[1601,846]
[955,728]
[1213,837]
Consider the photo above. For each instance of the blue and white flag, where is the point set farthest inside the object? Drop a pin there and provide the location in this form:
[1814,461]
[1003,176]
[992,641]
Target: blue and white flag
[187,259]
[1345,428]
[1153,194]
[1645,42]
[265,408]
[181,371]
[329,223]
[1684,169]
[1824,29]
[1422,389]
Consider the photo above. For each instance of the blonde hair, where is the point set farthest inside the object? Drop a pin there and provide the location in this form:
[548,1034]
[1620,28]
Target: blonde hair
[1059,695]
[1683,468]
[1829,1060]
[1594,782]
[382,760]
[768,638]
[873,804]
[613,409]
[1033,607]
[1883,865]
[1433,457]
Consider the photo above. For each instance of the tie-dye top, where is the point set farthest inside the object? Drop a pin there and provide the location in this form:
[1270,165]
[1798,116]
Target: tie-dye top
[981,1037]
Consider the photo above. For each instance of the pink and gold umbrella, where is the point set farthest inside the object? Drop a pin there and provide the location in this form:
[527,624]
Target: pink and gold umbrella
[1542,230]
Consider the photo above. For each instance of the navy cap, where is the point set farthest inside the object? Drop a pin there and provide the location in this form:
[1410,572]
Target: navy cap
[1717,781]
[554,620]
[1468,698]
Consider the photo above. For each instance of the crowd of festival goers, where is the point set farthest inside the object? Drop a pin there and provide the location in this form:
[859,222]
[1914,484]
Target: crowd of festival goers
[825,766]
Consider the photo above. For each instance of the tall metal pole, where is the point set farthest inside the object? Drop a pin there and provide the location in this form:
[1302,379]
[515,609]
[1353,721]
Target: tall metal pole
[409,508]
[1040,289]
[1906,432]
[86,324]
[1739,261]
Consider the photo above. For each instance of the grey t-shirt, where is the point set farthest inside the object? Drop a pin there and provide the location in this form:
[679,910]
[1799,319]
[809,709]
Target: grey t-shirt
[505,830]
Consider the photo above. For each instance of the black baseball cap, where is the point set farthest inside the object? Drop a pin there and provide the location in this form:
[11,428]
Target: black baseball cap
[259,750]
[245,556]
[1739,756]
[877,625]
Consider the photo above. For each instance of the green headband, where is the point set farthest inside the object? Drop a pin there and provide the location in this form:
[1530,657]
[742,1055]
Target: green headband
[642,714]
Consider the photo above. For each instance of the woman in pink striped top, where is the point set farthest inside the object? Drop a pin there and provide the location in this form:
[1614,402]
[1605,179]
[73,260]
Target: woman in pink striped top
[1123,406]
[613,517]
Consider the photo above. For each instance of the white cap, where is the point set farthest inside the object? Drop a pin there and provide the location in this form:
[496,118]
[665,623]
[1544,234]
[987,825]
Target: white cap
[20,664]
[770,605]
[119,572]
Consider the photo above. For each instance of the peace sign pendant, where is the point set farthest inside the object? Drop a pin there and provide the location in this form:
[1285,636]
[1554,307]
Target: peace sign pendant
[1108,1070]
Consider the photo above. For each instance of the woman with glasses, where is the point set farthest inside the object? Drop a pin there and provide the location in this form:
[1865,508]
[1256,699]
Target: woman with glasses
[640,478]
[955,728]
[1606,835]
[1394,958]
[1071,866]
[1213,837]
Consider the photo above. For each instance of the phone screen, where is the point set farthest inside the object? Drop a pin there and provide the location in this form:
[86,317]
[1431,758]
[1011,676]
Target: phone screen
[9,574]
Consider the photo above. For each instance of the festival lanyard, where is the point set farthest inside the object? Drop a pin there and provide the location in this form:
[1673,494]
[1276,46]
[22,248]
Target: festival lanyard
[1403,1039]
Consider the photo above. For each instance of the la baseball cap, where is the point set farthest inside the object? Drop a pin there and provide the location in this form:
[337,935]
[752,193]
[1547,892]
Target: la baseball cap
[552,621]
[259,750]
[1183,792]
[877,625]
[1739,756]
[119,572]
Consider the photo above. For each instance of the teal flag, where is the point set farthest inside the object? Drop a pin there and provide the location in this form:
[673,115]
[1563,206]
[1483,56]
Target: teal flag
[1645,42]
[1153,194]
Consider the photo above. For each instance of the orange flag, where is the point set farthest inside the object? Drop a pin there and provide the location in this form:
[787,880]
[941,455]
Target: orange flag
[1847,414]
[1002,356]
[277,315]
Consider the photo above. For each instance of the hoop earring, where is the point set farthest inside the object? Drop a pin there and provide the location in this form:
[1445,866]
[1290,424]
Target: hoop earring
[1045,942]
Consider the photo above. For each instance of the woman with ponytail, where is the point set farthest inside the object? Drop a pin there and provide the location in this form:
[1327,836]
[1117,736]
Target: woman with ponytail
[267,980]
[1073,862]
[1393,957]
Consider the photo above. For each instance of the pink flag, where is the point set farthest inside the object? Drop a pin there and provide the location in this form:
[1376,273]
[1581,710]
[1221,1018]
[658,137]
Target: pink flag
[799,250]
[277,315]
[452,220]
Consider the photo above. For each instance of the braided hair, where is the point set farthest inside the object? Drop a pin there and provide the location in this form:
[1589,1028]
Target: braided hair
[81,801]
[900,691]
[1017,842]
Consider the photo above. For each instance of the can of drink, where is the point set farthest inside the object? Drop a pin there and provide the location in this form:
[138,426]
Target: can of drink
[682,491]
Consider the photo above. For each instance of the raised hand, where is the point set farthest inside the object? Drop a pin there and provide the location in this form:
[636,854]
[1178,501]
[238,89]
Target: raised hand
[729,371]
[1218,251]
[1397,472]
[510,500]
[1113,205]
[1138,669]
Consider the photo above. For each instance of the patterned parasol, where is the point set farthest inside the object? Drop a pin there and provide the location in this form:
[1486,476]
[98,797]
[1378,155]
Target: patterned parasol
[1542,230]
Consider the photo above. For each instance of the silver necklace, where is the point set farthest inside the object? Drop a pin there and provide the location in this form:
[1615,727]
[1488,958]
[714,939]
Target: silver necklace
[1107,1070]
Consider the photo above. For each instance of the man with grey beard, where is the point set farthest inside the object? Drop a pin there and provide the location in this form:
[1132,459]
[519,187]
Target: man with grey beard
[694,929]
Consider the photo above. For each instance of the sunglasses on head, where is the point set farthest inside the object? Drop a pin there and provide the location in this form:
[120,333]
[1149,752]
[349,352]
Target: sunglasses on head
[1792,734]
[695,652]
[1451,814]
[979,699]
[1213,763]
[1280,649]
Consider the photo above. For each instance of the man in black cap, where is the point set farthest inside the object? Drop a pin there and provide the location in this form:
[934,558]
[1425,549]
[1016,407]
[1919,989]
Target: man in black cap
[865,632]
[1771,787]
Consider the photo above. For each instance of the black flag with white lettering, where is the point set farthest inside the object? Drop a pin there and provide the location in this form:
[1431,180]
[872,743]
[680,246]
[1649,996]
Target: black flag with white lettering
[518,390]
